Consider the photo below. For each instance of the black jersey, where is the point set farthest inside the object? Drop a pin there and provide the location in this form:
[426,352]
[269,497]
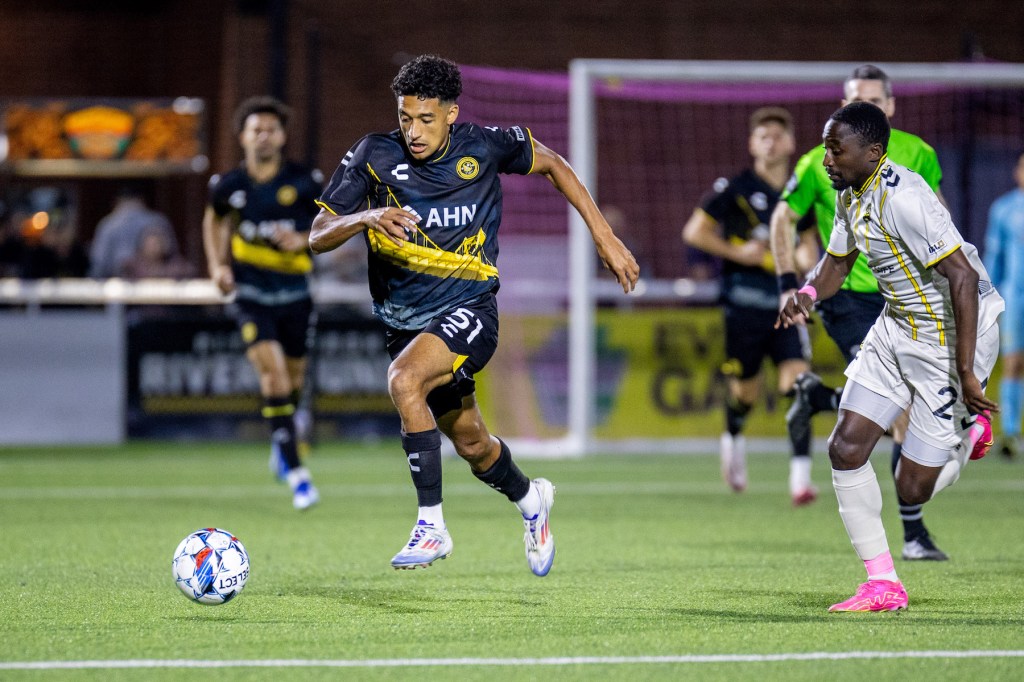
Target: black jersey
[743,207]
[264,273]
[452,258]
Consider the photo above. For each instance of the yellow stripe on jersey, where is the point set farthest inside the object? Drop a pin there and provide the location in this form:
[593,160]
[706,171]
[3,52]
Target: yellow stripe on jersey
[873,176]
[459,360]
[287,262]
[466,262]
[533,151]
[324,207]
[910,277]
[943,256]
[839,255]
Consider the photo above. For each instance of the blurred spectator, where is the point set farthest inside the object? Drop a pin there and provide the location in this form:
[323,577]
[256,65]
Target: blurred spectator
[155,257]
[1004,260]
[38,238]
[119,234]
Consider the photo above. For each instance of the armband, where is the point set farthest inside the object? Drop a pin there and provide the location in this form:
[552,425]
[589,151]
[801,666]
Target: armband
[787,281]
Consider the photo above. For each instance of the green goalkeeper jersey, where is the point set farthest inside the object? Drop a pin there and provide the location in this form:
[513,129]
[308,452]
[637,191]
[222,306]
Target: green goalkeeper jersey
[810,188]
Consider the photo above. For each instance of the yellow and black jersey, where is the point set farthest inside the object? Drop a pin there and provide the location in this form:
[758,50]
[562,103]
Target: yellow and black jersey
[263,272]
[452,258]
[743,207]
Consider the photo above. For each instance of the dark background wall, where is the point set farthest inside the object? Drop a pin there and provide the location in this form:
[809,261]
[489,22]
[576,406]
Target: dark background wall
[334,60]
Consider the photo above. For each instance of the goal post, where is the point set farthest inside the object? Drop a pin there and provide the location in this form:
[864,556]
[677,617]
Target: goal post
[651,137]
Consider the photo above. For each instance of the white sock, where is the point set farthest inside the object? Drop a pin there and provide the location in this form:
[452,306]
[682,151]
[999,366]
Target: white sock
[432,515]
[860,506]
[799,474]
[529,506]
[949,475]
[297,476]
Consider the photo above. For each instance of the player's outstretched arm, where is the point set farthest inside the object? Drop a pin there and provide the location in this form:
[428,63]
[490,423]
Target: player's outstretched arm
[823,281]
[963,290]
[216,243]
[613,253]
[329,230]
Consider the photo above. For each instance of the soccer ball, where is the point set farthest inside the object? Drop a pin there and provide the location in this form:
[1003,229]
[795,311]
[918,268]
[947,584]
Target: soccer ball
[210,566]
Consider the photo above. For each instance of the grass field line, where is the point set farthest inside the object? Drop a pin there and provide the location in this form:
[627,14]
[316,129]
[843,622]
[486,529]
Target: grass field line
[395,490]
[506,662]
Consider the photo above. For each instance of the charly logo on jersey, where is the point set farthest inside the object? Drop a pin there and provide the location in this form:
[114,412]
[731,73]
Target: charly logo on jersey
[237,199]
[467,167]
[287,195]
[759,201]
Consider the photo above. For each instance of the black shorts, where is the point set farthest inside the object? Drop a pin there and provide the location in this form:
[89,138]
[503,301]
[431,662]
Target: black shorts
[289,324]
[471,332]
[848,317]
[750,335]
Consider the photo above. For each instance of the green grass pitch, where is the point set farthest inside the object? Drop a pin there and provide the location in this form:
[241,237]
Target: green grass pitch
[656,558]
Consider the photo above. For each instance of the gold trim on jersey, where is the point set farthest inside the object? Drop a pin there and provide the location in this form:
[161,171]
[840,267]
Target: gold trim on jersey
[287,262]
[459,360]
[874,174]
[910,277]
[533,152]
[421,254]
[943,257]
[447,147]
[325,207]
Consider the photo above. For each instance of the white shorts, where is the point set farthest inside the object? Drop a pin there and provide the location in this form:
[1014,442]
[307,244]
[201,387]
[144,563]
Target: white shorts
[907,373]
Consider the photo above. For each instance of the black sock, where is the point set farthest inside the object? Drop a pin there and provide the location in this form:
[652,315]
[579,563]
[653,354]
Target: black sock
[912,515]
[823,398]
[295,396]
[423,450]
[505,477]
[735,415]
[800,446]
[279,412]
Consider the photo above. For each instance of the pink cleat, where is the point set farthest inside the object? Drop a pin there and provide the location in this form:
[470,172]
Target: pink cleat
[802,498]
[875,595]
[983,435]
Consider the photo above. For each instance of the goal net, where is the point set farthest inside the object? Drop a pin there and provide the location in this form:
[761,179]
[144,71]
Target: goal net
[582,367]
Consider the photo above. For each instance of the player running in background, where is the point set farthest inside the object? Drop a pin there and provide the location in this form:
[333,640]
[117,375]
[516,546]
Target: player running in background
[1004,258]
[931,350]
[732,223]
[255,233]
[850,313]
[427,200]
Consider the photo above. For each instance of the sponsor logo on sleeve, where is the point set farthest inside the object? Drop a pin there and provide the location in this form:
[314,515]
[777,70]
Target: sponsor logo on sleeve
[518,132]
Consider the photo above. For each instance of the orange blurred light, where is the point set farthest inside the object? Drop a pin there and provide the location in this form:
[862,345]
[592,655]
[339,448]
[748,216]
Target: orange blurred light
[40,220]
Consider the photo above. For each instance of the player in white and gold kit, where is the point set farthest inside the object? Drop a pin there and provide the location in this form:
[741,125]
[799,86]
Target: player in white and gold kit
[932,348]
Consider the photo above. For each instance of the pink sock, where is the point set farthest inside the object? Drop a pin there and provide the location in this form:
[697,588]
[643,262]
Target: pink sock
[881,568]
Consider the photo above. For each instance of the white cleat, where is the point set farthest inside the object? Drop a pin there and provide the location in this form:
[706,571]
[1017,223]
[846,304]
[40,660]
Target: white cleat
[540,543]
[305,496]
[733,453]
[427,544]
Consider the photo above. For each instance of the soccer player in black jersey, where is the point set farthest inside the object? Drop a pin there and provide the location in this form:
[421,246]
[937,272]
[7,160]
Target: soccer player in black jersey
[732,223]
[427,200]
[255,233]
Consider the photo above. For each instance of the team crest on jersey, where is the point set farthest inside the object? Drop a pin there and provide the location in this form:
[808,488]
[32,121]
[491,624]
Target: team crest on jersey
[467,167]
[287,195]
[237,199]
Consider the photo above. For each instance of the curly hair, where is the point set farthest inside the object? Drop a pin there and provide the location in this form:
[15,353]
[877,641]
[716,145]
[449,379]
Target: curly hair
[261,104]
[429,76]
[866,121]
